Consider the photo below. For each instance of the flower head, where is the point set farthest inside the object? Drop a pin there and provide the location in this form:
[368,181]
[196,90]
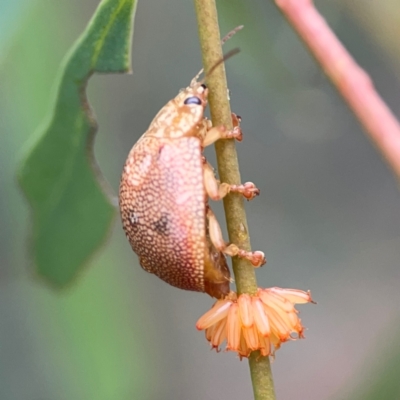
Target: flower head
[260,322]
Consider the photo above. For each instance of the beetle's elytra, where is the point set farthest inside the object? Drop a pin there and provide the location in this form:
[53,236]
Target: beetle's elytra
[164,191]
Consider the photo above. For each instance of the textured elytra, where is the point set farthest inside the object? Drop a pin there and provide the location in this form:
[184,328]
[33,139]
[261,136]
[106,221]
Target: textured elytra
[163,209]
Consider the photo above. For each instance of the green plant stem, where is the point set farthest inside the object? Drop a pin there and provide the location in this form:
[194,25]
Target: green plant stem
[228,168]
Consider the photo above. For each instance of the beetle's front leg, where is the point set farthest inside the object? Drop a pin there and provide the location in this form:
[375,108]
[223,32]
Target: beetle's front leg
[217,191]
[215,133]
[257,258]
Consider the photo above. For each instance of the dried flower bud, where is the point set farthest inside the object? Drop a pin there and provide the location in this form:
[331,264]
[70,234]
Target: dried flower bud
[260,322]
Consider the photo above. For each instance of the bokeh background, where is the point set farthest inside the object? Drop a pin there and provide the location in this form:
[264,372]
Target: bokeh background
[328,216]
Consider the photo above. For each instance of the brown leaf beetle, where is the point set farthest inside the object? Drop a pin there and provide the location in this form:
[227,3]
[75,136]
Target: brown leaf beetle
[163,197]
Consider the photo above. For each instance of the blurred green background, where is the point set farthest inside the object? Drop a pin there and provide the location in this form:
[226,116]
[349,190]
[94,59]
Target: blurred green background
[328,216]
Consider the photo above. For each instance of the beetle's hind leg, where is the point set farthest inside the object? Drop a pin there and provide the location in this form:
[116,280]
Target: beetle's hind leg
[215,133]
[257,258]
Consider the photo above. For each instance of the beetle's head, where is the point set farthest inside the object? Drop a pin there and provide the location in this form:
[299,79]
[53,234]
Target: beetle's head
[183,114]
[192,101]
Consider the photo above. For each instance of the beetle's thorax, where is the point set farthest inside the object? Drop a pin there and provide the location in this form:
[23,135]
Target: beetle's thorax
[182,116]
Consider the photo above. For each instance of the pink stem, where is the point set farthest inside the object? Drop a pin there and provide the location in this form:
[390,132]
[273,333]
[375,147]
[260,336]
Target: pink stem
[351,81]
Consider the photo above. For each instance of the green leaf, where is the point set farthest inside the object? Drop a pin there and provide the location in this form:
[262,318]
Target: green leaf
[71,211]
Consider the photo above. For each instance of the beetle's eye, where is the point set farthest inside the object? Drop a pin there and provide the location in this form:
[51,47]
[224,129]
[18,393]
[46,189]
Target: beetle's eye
[192,100]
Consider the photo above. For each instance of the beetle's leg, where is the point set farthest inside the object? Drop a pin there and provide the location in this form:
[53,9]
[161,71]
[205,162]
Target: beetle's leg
[257,258]
[217,190]
[220,132]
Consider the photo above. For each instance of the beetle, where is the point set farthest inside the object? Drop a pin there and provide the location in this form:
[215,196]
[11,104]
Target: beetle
[165,186]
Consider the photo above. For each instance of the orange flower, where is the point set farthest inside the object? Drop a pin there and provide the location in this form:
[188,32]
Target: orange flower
[260,322]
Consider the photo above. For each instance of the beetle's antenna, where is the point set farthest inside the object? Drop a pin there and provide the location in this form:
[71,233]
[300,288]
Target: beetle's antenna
[194,80]
[228,55]
[223,41]
[231,33]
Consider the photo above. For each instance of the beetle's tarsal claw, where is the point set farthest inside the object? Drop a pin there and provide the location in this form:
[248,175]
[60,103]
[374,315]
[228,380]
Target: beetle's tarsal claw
[238,134]
[248,190]
[235,133]
[257,258]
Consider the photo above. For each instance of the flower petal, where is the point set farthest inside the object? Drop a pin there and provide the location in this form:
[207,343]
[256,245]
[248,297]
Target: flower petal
[295,296]
[219,334]
[233,328]
[251,337]
[275,341]
[267,296]
[265,345]
[209,332]
[211,317]
[243,351]
[295,322]
[245,309]
[260,317]
[278,325]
